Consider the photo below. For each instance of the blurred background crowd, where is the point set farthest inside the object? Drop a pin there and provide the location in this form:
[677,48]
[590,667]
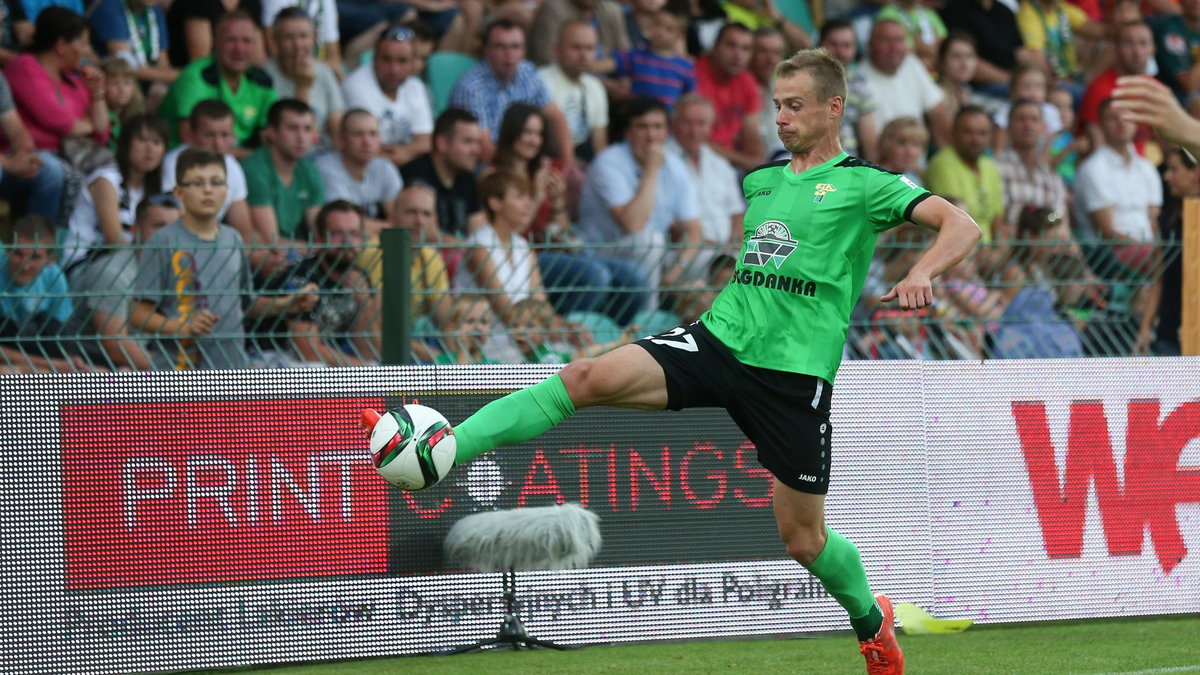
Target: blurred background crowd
[569,173]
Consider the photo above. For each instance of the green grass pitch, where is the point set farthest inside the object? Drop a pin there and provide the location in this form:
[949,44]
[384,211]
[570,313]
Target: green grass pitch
[1137,646]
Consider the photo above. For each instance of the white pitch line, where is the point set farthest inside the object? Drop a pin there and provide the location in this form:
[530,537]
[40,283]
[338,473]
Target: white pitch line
[1155,671]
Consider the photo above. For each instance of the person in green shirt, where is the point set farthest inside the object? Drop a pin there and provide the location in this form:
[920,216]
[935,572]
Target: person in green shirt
[228,75]
[284,190]
[770,346]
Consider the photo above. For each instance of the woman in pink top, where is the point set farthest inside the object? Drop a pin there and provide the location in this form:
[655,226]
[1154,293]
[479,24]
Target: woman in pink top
[57,96]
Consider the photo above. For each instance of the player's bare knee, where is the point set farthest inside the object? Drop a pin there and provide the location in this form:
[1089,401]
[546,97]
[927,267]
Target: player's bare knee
[804,545]
[580,379]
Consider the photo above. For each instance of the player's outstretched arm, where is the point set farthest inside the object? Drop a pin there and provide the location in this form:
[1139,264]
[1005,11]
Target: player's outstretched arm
[957,235]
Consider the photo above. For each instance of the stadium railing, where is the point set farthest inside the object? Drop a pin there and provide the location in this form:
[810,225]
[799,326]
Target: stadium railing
[1016,299]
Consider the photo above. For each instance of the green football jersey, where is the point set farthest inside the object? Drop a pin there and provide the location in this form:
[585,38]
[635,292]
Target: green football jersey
[806,248]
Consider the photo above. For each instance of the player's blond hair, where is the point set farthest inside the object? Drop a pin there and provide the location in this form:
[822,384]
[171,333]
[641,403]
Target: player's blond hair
[828,74]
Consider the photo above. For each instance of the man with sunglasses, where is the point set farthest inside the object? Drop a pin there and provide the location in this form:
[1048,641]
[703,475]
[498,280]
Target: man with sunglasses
[389,89]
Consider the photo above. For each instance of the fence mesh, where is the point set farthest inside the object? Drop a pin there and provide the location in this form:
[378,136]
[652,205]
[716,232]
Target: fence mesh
[152,308]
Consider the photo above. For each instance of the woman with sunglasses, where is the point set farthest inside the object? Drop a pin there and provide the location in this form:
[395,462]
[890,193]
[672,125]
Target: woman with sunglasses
[105,210]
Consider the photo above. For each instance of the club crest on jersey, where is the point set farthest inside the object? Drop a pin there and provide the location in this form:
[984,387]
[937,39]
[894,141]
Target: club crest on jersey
[821,190]
[772,242]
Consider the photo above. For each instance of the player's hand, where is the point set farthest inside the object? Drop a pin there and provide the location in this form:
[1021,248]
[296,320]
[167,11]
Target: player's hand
[201,323]
[913,291]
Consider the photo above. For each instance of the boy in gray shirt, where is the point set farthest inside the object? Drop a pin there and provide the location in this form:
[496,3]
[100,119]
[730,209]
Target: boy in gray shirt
[193,281]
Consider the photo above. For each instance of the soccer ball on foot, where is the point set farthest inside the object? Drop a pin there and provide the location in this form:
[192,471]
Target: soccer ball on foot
[412,447]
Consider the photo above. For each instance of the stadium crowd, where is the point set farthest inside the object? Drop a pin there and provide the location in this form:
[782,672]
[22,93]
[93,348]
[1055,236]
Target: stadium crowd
[203,183]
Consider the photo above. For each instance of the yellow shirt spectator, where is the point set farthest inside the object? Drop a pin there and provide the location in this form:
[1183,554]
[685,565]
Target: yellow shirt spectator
[979,189]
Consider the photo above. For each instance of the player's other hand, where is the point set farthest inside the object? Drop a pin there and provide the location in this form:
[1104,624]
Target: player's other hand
[913,291]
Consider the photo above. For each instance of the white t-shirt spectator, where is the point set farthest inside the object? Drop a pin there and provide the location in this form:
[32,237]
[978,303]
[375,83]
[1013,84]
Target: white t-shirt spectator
[323,12]
[910,92]
[514,264]
[718,191]
[1106,180]
[585,103]
[381,183]
[235,178]
[84,226]
[410,113]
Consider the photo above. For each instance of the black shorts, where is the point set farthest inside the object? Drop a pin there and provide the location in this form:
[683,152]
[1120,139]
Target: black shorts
[785,415]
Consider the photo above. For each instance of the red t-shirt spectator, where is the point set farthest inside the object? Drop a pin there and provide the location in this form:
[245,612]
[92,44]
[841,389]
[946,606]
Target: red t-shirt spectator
[49,109]
[732,98]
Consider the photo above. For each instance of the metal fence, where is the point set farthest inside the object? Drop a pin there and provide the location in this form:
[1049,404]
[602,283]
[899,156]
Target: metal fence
[151,308]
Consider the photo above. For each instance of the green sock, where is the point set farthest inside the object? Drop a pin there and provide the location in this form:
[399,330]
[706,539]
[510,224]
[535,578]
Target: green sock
[515,418]
[840,570]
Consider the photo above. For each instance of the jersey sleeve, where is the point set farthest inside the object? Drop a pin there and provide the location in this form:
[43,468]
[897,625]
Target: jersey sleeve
[891,198]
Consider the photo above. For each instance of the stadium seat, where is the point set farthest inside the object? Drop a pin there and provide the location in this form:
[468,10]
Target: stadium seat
[442,71]
[655,321]
[603,327]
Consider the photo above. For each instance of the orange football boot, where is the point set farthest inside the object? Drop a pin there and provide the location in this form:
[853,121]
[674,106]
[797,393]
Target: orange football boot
[883,651]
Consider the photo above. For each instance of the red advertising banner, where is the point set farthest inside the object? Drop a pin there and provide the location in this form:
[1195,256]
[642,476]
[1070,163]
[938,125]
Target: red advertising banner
[163,493]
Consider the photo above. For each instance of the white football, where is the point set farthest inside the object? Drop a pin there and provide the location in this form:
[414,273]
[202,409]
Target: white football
[412,447]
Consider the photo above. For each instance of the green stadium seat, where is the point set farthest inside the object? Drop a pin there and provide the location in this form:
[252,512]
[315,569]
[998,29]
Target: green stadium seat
[603,327]
[441,72]
[655,321]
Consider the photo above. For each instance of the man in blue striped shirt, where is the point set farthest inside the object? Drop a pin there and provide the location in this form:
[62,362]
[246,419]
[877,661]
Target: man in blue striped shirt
[502,78]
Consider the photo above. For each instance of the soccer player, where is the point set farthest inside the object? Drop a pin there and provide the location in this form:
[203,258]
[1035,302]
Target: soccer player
[810,227]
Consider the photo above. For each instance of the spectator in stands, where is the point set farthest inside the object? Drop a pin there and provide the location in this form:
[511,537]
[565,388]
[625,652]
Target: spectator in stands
[902,86]
[388,88]
[1118,194]
[502,78]
[228,75]
[296,74]
[324,18]
[923,28]
[1134,49]
[193,279]
[500,263]
[1025,172]
[755,14]
[860,130]
[607,16]
[636,198]
[416,211]
[902,147]
[722,77]
[450,170]
[122,95]
[537,333]
[718,188]
[1063,34]
[768,52]
[210,127]
[1028,84]
[454,26]
[34,305]
[135,31]
[465,331]
[358,174]
[962,170]
[103,284]
[1176,42]
[958,61]
[191,25]
[105,210]
[25,171]
[661,70]
[1183,180]
[59,98]
[348,311]
[576,91]
[284,189]
[1066,147]
[994,27]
